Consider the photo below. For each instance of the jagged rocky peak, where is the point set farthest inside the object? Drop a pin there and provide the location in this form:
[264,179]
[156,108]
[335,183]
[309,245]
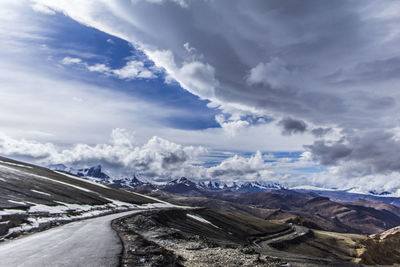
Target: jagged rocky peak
[182,180]
[95,171]
[135,181]
[213,185]
[234,186]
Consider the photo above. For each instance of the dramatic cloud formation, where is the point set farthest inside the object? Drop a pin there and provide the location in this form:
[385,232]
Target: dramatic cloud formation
[324,75]
[323,63]
[235,55]
[361,154]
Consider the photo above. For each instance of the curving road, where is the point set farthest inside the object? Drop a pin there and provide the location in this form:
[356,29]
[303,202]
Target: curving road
[85,243]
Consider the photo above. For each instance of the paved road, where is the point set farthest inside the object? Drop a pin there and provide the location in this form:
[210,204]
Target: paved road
[85,243]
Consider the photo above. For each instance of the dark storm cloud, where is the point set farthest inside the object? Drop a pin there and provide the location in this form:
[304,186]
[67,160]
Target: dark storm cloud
[372,71]
[173,159]
[292,126]
[372,152]
[320,132]
[329,154]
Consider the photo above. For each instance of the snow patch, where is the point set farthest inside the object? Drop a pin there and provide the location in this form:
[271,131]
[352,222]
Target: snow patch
[16,202]
[53,180]
[82,179]
[40,192]
[11,212]
[200,219]
[159,206]
[118,203]
[15,164]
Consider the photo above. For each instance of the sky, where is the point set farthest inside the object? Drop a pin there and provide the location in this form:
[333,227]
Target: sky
[304,93]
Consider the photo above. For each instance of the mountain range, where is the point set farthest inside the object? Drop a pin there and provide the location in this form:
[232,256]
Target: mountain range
[187,187]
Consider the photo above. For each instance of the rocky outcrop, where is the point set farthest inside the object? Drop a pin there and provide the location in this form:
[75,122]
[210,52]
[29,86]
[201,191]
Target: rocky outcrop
[383,249]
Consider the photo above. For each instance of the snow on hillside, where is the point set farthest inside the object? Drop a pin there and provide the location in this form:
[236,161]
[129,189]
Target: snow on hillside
[200,219]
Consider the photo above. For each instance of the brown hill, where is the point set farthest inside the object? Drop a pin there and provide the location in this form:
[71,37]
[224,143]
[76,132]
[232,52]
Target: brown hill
[324,213]
[377,205]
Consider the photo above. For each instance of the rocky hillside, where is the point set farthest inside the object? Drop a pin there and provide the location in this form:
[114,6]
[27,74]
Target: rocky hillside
[381,248]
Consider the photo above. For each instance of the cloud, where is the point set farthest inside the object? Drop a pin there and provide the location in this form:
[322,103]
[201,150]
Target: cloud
[71,61]
[160,160]
[241,168]
[325,64]
[195,76]
[231,127]
[182,3]
[23,147]
[320,132]
[42,9]
[274,74]
[289,50]
[132,70]
[374,152]
[292,126]
[157,158]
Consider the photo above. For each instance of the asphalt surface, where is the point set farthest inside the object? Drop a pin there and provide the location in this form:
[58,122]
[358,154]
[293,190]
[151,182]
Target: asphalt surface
[85,243]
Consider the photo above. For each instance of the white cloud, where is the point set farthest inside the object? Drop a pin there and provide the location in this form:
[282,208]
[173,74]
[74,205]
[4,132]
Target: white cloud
[188,48]
[157,158]
[242,169]
[42,9]
[274,74]
[10,146]
[132,70]
[231,127]
[71,61]
[195,76]
[99,68]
